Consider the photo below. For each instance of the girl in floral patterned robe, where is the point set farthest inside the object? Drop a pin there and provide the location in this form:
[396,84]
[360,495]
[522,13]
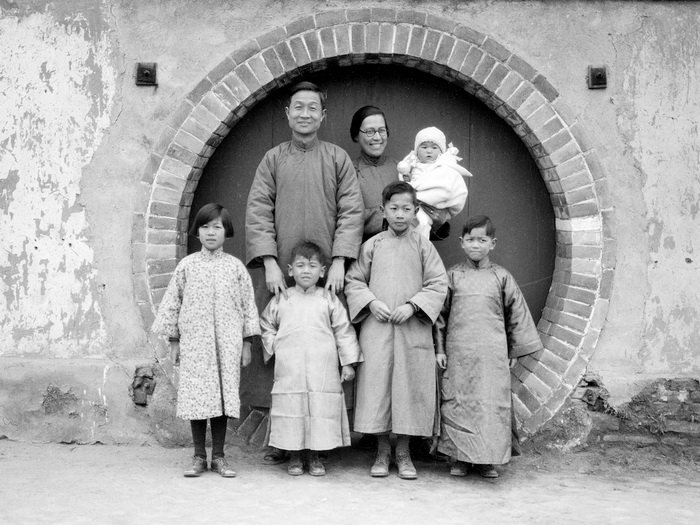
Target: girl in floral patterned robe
[208,312]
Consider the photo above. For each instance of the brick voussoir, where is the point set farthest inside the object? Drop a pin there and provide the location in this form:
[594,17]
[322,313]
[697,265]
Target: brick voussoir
[543,85]
[441,23]
[547,376]
[553,361]
[469,34]
[187,141]
[273,63]
[330,18]
[484,68]
[525,395]
[313,45]
[430,45]
[583,209]
[187,157]
[566,152]
[173,166]
[576,181]
[540,117]
[496,78]
[382,14]
[540,390]
[497,50]
[236,86]
[300,25]
[299,51]
[362,14]
[245,51]
[531,104]
[538,418]
[259,68]
[162,194]
[444,50]
[401,39]
[149,171]
[520,95]
[327,38]
[471,62]
[203,86]
[415,44]
[342,39]
[556,142]
[372,37]
[203,119]
[520,410]
[357,38]
[600,313]
[521,66]
[510,83]
[410,16]
[459,53]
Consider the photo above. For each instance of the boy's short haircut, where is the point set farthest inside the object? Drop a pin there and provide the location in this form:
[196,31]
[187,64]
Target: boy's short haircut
[307,86]
[209,212]
[479,221]
[396,188]
[359,117]
[308,250]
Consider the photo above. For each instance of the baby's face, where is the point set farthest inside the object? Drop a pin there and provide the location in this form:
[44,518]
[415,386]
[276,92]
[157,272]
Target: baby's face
[428,152]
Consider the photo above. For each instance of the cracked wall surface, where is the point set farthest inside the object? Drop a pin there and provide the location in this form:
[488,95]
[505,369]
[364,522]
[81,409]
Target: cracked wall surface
[57,85]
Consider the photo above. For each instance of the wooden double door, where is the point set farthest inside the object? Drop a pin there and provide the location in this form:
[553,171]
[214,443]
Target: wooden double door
[506,185]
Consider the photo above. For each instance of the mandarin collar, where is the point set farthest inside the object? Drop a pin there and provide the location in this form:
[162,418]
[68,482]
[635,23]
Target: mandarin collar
[478,266]
[309,291]
[211,255]
[301,146]
[372,161]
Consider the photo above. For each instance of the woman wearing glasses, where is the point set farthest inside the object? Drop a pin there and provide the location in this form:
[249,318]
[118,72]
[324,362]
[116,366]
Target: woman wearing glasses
[374,169]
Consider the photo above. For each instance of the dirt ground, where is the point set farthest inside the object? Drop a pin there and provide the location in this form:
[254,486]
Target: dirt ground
[52,483]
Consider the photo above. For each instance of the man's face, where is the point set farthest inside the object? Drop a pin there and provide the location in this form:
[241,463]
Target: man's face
[305,113]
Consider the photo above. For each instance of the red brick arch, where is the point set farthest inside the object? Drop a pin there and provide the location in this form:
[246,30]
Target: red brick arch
[578,299]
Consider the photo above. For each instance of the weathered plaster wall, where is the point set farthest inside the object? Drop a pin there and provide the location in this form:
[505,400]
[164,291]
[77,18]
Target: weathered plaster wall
[76,136]
[57,83]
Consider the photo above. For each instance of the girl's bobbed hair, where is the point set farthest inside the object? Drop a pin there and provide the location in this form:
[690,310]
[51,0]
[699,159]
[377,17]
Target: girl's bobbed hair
[208,213]
[359,117]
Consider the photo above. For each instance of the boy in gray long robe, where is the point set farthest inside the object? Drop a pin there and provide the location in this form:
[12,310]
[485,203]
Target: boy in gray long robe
[484,322]
[396,289]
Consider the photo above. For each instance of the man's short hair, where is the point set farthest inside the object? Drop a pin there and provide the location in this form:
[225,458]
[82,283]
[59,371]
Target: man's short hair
[307,86]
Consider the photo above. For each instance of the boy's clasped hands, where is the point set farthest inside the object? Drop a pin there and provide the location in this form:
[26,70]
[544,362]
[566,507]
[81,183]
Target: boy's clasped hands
[383,313]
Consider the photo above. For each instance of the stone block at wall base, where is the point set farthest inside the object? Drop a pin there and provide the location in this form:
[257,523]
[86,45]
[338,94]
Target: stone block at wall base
[85,401]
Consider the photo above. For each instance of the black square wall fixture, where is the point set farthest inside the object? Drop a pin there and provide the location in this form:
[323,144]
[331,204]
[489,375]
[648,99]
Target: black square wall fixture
[597,77]
[146,74]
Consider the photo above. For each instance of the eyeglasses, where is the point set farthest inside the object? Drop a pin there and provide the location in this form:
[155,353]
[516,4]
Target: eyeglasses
[371,132]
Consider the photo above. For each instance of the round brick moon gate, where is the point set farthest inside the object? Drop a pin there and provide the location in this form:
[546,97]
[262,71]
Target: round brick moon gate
[578,299]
